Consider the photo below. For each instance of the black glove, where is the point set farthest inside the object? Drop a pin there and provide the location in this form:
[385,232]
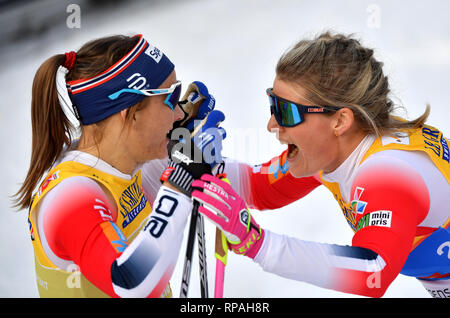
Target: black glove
[194,154]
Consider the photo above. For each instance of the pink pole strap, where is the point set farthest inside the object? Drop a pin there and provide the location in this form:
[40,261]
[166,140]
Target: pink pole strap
[220,275]
[221,260]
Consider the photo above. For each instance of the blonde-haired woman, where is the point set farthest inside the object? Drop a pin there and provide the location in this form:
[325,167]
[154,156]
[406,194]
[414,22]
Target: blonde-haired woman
[330,103]
[94,227]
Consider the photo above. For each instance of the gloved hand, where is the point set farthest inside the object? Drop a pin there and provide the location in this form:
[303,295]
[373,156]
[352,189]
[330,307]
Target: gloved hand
[223,206]
[196,104]
[196,153]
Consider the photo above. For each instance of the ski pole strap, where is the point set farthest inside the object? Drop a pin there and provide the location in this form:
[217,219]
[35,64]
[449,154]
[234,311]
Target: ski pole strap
[221,261]
[179,177]
[221,251]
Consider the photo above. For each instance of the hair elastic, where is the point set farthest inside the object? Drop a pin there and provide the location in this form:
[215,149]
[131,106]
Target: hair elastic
[70,60]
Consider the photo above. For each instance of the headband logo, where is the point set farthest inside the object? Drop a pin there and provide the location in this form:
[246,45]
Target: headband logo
[154,53]
[140,79]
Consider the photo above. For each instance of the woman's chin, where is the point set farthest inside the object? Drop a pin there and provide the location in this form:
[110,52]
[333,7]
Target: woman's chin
[154,155]
[162,154]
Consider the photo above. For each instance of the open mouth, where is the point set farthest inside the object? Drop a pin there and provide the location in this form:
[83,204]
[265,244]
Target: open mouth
[169,133]
[292,151]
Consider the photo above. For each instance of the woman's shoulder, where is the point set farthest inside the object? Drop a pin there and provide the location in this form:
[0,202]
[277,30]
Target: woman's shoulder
[415,160]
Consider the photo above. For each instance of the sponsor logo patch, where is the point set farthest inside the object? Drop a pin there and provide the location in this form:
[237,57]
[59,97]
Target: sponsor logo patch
[182,157]
[358,206]
[435,141]
[378,218]
[154,53]
[243,216]
[45,184]
[132,202]
[278,168]
[115,236]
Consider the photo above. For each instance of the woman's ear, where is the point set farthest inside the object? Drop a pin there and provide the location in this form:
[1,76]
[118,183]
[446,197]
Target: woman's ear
[344,120]
[123,114]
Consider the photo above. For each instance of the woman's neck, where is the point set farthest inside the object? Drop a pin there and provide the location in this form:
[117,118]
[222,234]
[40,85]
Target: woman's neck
[346,144]
[110,152]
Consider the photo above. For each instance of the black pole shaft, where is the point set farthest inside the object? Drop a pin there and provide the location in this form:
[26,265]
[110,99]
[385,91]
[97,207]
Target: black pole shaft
[202,256]
[189,251]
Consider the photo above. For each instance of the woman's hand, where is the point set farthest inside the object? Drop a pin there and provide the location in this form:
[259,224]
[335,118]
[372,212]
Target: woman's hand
[223,206]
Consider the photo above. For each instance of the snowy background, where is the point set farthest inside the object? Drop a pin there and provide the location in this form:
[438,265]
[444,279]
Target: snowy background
[233,47]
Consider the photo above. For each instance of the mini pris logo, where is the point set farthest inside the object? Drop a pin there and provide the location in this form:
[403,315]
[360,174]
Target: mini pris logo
[381,218]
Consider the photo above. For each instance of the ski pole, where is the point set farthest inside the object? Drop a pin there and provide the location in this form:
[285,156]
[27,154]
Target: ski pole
[196,224]
[189,251]
[202,256]
[221,252]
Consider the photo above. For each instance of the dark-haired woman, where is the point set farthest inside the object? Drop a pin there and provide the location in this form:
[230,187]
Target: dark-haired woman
[94,231]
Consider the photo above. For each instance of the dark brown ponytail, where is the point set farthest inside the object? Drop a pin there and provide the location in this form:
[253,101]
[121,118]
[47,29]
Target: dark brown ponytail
[51,129]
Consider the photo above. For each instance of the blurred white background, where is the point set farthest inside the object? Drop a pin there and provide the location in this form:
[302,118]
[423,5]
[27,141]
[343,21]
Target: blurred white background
[232,46]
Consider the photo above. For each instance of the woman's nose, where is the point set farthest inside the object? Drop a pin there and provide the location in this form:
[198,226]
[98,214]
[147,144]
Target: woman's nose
[272,125]
[178,113]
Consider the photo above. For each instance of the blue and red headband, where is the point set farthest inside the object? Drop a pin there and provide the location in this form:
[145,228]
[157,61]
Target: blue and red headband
[144,67]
